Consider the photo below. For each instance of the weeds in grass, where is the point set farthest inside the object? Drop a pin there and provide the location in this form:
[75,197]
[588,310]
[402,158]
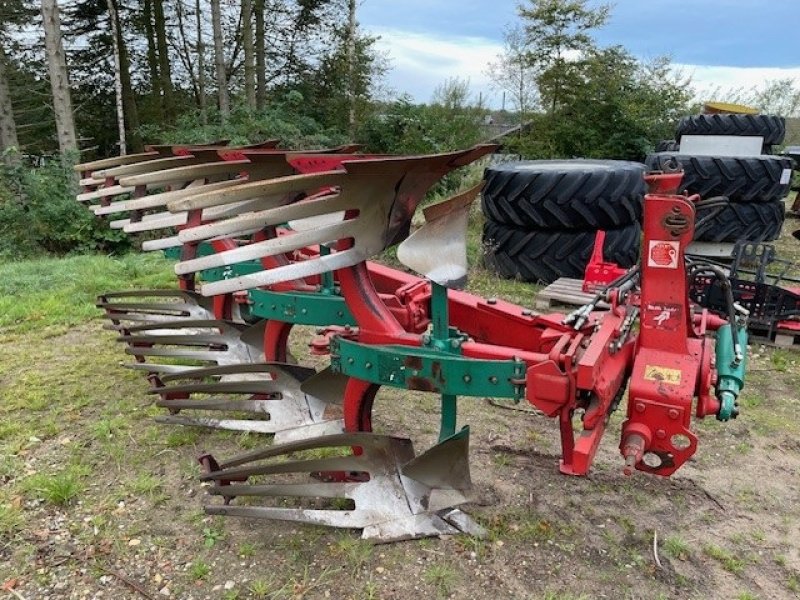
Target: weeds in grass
[182,437]
[355,552]
[9,467]
[261,588]
[106,429]
[470,543]
[58,488]
[145,484]
[441,576]
[538,530]
[502,459]
[524,525]
[199,570]
[11,520]
[212,535]
[782,359]
[302,586]
[247,440]
[751,399]
[676,547]
[728,561]
[247,549]
[370,591]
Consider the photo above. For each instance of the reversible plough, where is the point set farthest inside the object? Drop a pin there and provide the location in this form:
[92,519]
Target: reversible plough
[267,239]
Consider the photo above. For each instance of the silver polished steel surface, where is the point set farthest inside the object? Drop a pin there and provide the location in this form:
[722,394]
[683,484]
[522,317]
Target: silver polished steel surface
[389,503]
[270,392]
[438,249]
[378,195]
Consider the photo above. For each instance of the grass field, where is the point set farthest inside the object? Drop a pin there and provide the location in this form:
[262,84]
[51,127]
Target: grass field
[98,501]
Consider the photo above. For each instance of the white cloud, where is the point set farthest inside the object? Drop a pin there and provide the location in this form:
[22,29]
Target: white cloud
[707,79]
[421,61]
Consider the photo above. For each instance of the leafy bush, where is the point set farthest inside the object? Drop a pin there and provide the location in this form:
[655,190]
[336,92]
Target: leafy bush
[610,106]
[39,214]
[282,120]
[449,123]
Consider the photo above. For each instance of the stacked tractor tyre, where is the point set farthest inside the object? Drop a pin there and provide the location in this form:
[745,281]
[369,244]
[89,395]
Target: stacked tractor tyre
[542,217]
[754,185]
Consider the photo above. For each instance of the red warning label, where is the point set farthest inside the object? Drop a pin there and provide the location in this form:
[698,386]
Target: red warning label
[663,254]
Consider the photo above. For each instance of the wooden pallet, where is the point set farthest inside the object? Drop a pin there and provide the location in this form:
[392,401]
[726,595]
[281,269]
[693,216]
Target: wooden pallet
[564,292]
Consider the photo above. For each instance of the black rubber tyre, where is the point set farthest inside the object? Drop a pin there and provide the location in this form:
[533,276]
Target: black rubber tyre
[544,256]
[771,127]
[564,194]
[741,179]
[753,222]
[667,146]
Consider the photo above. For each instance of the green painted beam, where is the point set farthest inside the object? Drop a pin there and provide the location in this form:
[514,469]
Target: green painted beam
[427,369]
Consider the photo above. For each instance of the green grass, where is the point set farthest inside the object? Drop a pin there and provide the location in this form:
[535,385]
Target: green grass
[676,547]
[59,488]
[11,519]
[441,576]
[144,484]
[355,552]
[182,436]
[728,560]
[261,588]
[199,570]
[47,292]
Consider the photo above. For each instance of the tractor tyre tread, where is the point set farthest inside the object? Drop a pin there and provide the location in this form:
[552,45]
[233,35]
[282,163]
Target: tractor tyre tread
[771,127]
[741,178]
[567,194]
[752,222]
[544,256]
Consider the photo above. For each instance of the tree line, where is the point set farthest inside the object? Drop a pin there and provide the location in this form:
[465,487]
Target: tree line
[87,78]
[102,74]
[105,76]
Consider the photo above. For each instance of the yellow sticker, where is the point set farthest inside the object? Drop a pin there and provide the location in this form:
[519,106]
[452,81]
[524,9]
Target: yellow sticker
[665,374]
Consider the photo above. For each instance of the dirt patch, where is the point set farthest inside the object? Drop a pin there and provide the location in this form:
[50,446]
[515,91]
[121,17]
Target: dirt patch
[98,501]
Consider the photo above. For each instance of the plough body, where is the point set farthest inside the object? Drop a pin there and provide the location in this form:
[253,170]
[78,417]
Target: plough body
[289,245]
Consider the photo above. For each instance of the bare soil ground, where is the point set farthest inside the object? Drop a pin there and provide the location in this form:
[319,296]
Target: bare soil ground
[98,501]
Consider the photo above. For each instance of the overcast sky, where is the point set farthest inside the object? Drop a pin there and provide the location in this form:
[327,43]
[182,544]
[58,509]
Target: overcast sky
[726,43]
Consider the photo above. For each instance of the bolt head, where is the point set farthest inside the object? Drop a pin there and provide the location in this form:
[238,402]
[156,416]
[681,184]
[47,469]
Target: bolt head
[640,407]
